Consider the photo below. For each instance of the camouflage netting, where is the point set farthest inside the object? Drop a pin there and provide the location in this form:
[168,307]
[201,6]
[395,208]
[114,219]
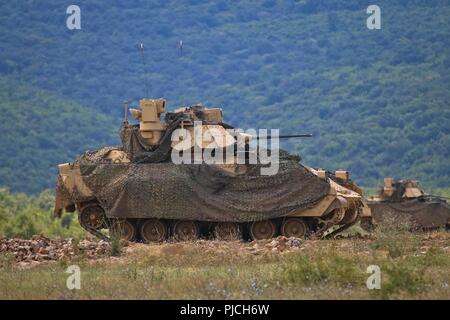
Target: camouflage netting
[421,212]
[201,192]
[152,186]
[139,151]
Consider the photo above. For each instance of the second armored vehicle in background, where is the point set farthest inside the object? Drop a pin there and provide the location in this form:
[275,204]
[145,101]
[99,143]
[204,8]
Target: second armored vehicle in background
[406,201]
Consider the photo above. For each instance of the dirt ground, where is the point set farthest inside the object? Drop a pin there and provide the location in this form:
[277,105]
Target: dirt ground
[42,250]
[413,265]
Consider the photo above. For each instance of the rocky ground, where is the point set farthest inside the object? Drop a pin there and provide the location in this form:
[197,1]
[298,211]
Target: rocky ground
[40,249]
[413,266]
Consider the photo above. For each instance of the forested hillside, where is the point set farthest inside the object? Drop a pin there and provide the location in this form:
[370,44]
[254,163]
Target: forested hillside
[40,130]
[24,216]
[376,101]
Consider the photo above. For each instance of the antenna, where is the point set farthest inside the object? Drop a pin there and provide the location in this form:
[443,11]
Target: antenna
[125,107]
[145,68]
[181,47]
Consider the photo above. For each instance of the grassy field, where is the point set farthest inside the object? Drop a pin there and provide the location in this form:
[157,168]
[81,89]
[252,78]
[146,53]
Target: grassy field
[412,266]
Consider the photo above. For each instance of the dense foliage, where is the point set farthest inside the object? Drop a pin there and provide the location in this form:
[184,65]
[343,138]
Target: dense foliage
[40,130]
[375,100]
[24,216]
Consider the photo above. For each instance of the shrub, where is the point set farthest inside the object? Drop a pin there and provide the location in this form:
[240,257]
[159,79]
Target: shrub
[326,269]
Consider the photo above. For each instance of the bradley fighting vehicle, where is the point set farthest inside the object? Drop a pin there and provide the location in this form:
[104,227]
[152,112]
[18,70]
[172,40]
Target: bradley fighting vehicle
[138,192]
[405,200]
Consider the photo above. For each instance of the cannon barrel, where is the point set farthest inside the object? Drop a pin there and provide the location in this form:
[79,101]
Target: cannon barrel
[286,136]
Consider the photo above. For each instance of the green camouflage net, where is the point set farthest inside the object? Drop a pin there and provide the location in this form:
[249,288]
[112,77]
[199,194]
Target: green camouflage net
[421,213]
[153,187]
[201,192]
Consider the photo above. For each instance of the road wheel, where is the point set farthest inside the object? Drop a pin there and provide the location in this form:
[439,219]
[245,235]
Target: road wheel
[227,231]
[123,229]
[92,216]
[153,230]
[186,230]
[294,227]
[350,216]
[332,218]
[260,230]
